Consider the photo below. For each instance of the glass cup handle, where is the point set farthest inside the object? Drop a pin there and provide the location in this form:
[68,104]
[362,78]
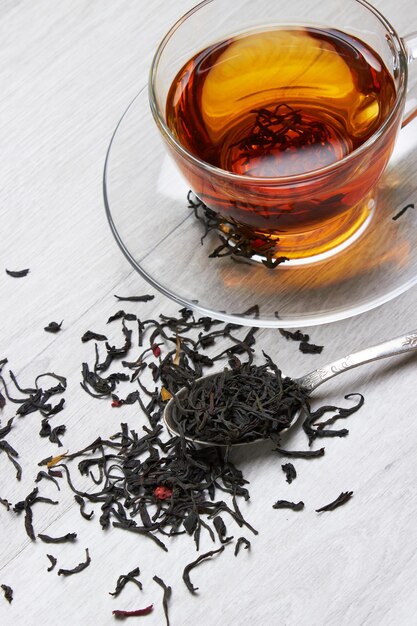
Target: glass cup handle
[410,44]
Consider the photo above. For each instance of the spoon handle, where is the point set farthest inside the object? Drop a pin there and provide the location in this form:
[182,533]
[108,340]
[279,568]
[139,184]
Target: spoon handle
[392,347]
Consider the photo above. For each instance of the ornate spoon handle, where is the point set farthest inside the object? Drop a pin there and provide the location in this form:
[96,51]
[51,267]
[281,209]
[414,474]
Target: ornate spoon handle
[399,345]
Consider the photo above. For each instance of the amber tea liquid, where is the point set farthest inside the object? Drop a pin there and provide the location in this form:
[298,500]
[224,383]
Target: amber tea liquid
[280,103]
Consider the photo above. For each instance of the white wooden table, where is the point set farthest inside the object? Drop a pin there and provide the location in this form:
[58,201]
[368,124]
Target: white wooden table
[68,71]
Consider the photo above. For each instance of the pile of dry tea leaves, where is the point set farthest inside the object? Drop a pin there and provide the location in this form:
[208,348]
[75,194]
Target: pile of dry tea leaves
[146,481]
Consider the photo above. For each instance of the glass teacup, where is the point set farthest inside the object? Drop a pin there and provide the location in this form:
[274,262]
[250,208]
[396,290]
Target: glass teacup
[283,116]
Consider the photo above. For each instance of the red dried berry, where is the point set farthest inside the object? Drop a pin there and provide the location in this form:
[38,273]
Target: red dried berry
[162,493]
[156,349]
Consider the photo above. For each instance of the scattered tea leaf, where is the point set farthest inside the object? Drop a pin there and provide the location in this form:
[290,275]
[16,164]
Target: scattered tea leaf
[191,566]
[285,504]
[8,593]
[68,538]
[46,476]
[145,298]
[89,335]
[5,503]
[53,327]
[310,348]
[165,599]
[124,579]
[80,500]
[340,500]
[289,471]
[400,213]
[17,273]
[242,541]
[294,335]
[79,568]
[300,454]
[53,562]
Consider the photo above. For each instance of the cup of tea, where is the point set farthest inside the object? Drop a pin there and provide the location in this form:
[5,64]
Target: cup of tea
[282,116]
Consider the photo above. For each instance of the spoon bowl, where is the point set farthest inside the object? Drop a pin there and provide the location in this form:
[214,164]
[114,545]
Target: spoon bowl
[308,383]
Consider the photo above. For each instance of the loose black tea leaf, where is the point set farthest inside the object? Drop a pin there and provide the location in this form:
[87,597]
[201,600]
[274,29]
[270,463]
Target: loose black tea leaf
[17,273]
[167,594]
[400,213]
[289,471]
[285,504]
[145,298]
[46,429]
[242,541]
[56,433]
[117,316]
[191,566]
[68,538]
[137,613]
[53,327]
[339,413]
[300,454]
[220,528]
[79,568]
[8,593]
[340,500]
[46,476]
[2,401]
[5,503]
[11,455]
[53,562]
[294,336]
[124,579]
[6,429]
[80,500]
[89,334]
[26,506]
[310,348]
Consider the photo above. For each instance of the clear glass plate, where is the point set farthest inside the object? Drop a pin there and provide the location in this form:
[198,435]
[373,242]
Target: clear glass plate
[146,204]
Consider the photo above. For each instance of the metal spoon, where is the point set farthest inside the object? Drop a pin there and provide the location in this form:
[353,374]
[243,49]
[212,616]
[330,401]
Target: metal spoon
[312,380]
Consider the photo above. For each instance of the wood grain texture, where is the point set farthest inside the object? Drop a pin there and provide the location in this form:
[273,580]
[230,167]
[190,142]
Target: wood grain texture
[68,71]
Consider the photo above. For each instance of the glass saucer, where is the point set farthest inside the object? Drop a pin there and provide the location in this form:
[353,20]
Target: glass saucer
[147,208]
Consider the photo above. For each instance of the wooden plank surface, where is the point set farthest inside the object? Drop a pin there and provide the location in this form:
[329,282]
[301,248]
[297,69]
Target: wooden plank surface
[69,69]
